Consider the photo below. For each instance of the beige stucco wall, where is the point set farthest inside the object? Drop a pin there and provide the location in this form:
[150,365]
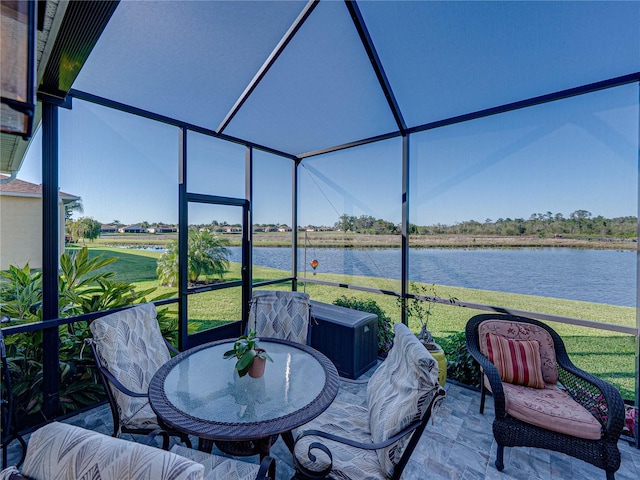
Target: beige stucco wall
[21,231]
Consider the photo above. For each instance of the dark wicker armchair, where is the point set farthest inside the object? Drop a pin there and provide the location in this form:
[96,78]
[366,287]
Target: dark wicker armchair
[512,426]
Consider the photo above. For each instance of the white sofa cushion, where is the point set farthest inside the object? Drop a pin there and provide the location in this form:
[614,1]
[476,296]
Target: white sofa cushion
[61,451]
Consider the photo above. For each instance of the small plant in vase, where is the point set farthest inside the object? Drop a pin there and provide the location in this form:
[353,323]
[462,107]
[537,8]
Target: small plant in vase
[419,307]
[250,357]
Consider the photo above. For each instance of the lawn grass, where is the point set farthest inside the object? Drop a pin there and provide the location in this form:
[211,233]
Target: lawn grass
[608,355]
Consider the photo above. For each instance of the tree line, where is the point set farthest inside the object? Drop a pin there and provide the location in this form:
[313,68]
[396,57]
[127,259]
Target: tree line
[578,223]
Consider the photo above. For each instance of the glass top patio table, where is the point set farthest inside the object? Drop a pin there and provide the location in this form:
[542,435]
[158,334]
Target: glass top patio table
[200,393]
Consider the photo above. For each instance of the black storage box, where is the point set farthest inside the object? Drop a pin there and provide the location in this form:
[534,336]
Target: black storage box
[348,337]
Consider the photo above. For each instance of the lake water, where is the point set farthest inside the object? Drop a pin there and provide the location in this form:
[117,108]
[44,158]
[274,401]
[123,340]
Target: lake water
[602,276]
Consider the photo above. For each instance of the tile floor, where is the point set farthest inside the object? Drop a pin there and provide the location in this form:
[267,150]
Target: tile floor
[457,445]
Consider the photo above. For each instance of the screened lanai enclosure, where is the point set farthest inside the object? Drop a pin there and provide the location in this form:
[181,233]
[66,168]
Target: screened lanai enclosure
[350,132]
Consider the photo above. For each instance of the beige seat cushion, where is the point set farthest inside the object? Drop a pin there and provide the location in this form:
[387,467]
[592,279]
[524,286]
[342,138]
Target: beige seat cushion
[551,409]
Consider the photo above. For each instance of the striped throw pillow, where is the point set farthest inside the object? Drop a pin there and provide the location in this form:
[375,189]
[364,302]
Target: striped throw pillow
[517,361]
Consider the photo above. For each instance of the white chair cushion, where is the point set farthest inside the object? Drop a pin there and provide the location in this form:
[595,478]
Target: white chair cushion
[130,345]
[400,392]
[61,451]
[280,314]
[348,421]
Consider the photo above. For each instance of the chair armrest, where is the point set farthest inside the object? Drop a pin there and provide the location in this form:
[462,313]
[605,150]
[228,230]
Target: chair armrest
[119,385]
[171,348]
[365,446]
[12,473]
[18,476]
[489,370]
[151,436]
[108,375]
[267,469]
[599,397]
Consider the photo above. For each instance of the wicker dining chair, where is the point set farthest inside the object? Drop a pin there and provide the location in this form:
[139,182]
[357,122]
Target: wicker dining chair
[129,348]
[541,399]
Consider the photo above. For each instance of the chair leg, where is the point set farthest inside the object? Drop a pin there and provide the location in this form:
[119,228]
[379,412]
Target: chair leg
[288,440]
[611,476]
[483,394]
[186,440]
[500,458]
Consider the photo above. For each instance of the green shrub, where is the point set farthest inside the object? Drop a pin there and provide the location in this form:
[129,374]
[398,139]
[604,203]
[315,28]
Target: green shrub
[460,364]
[385,325]
[82,288]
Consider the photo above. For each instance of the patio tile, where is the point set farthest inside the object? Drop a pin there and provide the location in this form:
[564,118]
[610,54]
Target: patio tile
[560,466]
[464,458]
[532,465]
[457,445]
[433,447]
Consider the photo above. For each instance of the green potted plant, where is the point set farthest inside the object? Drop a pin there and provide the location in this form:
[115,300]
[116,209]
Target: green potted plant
[250,357]
[419,307]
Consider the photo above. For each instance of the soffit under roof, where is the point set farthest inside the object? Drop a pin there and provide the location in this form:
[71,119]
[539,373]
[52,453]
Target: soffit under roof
[13,147]
[67,31]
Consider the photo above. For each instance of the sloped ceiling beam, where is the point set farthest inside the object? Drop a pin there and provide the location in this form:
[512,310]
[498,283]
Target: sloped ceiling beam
[367,42]
[297,24]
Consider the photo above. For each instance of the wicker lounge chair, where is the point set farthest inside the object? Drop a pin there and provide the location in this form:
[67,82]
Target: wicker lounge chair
[571,412]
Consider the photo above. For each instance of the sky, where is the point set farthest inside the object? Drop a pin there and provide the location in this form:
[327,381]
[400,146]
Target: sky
[577,153]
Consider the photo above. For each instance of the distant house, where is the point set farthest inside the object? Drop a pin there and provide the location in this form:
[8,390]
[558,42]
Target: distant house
[161,229]
[232,230]
[21,223]
[108,229]
[284,228]
[137,228]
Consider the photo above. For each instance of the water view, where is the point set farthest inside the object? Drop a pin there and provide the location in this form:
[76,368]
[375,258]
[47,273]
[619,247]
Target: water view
[601,276]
